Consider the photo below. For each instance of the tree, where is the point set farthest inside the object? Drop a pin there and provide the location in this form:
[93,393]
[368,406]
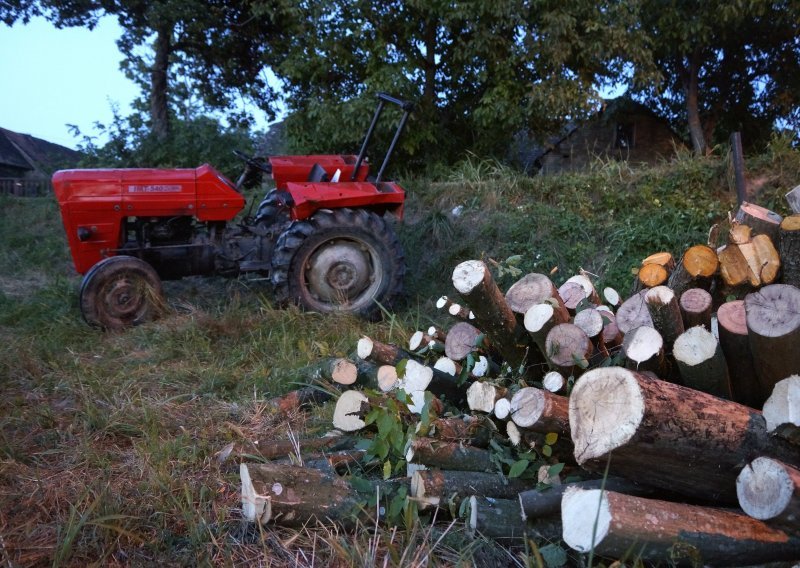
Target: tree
[480,71]
[723,65]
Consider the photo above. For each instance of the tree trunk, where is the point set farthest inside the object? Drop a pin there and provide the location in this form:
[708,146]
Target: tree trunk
[773,323]
[537,503]
[769,490]
[159,83]
[474,282]
[691,90]
[449,455]
[736,348]
[696,308]
[665,313]
[701,362]
[540,410]
[617,525]
[789,247]
[666,435]
[695,270]
[381,353]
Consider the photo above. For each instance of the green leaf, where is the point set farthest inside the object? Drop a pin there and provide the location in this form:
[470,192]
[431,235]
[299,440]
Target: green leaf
[553,555]
[387,469]
[551,438]
[547,451]
[401,368]
[518,468]
[555,469]
[361,485]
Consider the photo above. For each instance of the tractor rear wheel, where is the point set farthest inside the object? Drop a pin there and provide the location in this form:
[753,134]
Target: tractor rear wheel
[119,292]
[344,260]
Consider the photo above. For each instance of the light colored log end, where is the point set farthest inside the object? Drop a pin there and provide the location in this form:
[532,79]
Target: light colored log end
[254,506]
[417,376]
[586,518]
[446,365]
[481,367]
[537,316]
[387,378]
[611,296]
[468,275]
[764,488]
[527,406]
[783,405]
[605,409]
[344,372]
[694,346]
[502,408]
[659,295]
[364,347]
[481,397]
[642,344]
[346,414]
[553,381]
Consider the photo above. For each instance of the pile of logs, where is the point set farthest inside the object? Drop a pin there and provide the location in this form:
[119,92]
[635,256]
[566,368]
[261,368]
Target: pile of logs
[665,426]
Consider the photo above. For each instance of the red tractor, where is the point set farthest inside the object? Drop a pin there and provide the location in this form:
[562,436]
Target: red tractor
[321,236]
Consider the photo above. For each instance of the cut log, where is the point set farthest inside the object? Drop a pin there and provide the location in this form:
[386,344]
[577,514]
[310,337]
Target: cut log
[554,382]
[529,291]
[695,270]
[695,306]
[755,262]
[617,525]
[474,282]
[762,221]
[454,309]
[537,503]
[650,276]
[782,409]
[769,490]
[421,341]
[482,396]
[773,324]
[663,258]
[590,293]
[449,455]
[380,353]
[701,364]
[665,313]
[540,319]
[350,408]
[513,433]
[294,496]
[633,313]
[612,297]
[793,199]
[431,488]
[789,249]
[699,442]
[462,340]
[502,408]
[387,378]
[644,351]
[572,293]
[420,377]
[448,366]
[499,519]
[732,329]
[468,430]
[540,410]
[590,321]
[335,369]
[612,336]
[568,349]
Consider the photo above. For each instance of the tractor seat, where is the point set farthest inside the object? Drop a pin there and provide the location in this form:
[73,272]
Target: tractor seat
[317,174]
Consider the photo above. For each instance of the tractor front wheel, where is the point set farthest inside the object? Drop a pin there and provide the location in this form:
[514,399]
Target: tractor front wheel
[119,292]
[344,260]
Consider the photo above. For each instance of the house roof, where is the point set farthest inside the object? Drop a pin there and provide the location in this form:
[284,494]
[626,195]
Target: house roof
[31,153]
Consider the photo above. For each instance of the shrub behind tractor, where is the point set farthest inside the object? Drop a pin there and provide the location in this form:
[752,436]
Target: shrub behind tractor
[322,236]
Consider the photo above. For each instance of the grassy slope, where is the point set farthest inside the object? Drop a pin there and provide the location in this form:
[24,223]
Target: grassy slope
[108,443]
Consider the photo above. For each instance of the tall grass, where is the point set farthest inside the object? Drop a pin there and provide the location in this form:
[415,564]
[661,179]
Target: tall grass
[111,445]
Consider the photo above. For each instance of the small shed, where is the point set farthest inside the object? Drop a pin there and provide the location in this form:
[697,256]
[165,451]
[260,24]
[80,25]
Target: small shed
[27,162]
[622,130]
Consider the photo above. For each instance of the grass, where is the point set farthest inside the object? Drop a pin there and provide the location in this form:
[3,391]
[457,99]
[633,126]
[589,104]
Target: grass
[111,445]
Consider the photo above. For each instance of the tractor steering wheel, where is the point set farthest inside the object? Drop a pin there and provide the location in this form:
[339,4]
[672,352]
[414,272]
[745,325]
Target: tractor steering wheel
[259,164]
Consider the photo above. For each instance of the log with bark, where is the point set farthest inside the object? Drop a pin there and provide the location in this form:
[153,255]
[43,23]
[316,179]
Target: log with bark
[540,410]
[665,312]
[462,339]
[475,431]
[761,220]
[539,320]
[695,270]
[294,496]
[773,324]
[644,351]
[699,442]
[572,294]
[617,525]
[789,249]
[421,341]
[499,519]
[782,409]
[537,503]
[474,282]
[380,353]
[274,449]
[748,261]
[700,361]
[449,455]
[554,382]
[432,488]
[300,399]
[696,306]
[612,297]
[583,280]
[769,490]
[732,329]
[481,396]
[454,309]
